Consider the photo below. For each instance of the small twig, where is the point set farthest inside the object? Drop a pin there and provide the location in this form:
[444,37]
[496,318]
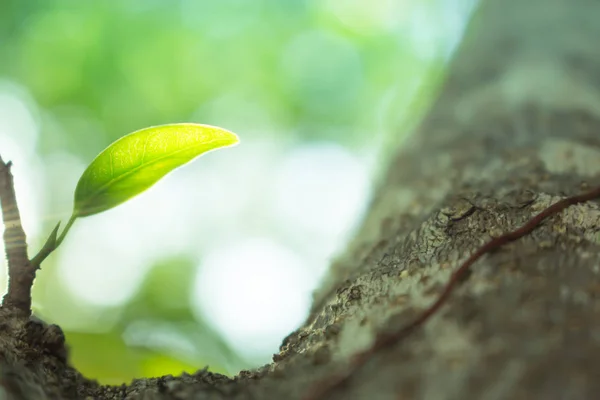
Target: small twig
[386,340]
[47,249]
[53,241]
[20,271]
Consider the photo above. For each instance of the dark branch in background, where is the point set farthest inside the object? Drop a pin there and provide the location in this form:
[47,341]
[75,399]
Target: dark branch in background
[387,340]
[21,273]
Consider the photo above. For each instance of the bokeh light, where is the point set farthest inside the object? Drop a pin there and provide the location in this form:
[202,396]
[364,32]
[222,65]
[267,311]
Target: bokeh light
[254,292]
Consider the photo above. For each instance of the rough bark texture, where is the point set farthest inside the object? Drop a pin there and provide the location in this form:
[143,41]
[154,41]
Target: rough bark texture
[516,128]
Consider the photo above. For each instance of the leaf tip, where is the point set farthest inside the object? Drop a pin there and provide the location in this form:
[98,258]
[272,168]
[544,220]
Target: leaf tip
[231,139]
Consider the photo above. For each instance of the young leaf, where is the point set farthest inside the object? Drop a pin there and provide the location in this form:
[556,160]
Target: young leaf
[137,161]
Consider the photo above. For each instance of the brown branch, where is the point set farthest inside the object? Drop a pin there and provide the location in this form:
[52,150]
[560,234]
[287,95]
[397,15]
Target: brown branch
[387,340]
[20,271]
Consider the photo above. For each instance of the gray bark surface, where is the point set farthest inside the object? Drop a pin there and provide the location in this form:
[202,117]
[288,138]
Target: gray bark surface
[515,129]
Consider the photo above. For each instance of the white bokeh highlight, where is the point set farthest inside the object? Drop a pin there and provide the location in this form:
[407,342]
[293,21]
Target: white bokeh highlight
[319,189]
[255,291]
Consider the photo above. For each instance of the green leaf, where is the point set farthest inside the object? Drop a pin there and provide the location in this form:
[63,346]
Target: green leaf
[137,161]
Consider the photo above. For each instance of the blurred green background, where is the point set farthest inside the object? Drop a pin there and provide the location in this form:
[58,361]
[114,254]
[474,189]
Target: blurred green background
[216,263]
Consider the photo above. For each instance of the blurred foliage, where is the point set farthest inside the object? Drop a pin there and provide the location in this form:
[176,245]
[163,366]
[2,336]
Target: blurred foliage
[100,69]
[110,67]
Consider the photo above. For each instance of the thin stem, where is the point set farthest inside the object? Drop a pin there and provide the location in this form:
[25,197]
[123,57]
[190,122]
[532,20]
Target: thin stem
[52,242]
[66,230]
[20,271]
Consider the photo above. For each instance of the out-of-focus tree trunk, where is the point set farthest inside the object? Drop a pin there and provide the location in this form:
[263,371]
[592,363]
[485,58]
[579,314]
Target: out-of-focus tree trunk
[515,129]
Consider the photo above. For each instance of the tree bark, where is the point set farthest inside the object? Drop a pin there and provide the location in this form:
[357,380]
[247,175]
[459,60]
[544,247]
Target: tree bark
[515,129]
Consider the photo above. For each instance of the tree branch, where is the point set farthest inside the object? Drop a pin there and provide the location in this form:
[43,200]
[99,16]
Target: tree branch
[21,273]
